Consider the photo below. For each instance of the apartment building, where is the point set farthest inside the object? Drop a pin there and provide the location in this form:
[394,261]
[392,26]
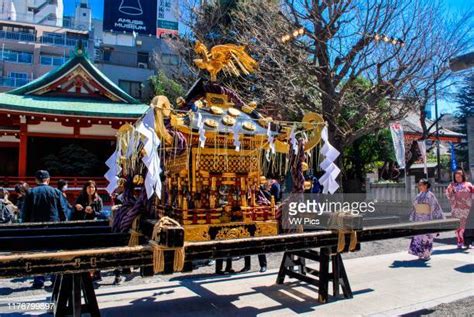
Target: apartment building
[129,60]
[46,12]
[28,51]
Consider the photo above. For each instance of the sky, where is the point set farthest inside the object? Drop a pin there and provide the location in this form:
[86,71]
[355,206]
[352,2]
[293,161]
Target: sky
[454,7]
[98,6]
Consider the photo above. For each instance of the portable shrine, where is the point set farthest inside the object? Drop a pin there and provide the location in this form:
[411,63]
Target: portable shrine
[213,150]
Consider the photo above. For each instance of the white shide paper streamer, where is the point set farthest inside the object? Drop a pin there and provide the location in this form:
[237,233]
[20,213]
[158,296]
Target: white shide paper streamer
[114,170]
[151,159]
[331,171]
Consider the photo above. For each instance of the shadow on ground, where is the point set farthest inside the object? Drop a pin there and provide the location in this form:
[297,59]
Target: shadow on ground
[411,263]
[468,268]
[293,296]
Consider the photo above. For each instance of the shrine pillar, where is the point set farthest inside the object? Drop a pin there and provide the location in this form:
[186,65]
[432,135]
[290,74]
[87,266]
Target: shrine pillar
[23,147]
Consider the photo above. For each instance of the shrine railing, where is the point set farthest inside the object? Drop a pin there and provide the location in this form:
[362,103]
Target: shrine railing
[74,185]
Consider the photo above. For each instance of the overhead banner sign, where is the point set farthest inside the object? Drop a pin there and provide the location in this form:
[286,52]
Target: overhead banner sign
[137,16]
[167,14]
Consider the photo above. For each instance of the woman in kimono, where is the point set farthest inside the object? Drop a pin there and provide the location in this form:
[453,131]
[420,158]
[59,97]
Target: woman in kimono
[425,207]
[459,193]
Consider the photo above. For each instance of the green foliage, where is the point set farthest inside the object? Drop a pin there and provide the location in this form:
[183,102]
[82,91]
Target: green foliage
[367,153]
[356,102]
[72,160]
[465,97]
[160,84]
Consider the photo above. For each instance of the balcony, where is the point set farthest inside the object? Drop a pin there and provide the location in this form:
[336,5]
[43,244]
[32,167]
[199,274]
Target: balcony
[45,39]
[13,82]
[17,36]
[62,41]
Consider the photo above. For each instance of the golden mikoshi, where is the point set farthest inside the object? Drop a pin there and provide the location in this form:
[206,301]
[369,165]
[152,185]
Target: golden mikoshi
[214,153]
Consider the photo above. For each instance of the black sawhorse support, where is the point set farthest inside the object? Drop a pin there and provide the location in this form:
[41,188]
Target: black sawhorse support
[293,265]
[68,290]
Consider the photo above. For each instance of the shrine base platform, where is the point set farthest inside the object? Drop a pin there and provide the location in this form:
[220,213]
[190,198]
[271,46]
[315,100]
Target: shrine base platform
[383,285]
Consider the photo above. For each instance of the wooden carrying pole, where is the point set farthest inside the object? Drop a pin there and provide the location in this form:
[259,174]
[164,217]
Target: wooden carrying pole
[28,264]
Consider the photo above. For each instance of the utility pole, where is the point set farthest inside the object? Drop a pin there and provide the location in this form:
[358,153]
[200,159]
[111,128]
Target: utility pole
[438,167]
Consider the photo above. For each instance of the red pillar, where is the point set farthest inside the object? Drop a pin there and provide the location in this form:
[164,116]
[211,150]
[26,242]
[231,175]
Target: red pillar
[22,150]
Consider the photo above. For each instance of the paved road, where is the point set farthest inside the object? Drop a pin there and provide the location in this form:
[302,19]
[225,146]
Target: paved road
[388,283]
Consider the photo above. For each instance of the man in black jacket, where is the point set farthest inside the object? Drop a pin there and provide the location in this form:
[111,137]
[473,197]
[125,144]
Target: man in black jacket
[43,204]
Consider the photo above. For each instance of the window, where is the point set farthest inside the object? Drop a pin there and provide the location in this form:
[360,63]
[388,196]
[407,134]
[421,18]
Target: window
[19,75]
[142,58]
[133,88]
[170,59]
[17,57]
[24,57]
[18,79]
[49,60]
[107,53]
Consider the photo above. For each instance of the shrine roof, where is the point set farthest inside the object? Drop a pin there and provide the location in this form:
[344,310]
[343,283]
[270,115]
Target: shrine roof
[75,88]
[68,106]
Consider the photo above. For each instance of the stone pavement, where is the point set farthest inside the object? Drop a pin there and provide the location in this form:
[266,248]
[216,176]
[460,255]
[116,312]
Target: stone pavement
[383,285]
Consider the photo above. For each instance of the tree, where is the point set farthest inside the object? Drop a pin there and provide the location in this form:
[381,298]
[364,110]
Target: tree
[365,155]
[72,160]
[465,98]
[259,25]
[438,76]
[160,84]
[392,44]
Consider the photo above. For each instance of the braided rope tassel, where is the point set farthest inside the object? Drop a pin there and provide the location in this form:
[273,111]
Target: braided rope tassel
[158,258]
[158,250]
[178,263]
[135,233]
[341,241]
[353,243]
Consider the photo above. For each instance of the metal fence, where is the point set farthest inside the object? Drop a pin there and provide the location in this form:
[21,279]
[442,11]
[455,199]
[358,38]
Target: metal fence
[51,39]
[61,41]
[17,36]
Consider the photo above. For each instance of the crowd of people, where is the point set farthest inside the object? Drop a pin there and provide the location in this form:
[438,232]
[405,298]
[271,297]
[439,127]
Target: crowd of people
[44,202]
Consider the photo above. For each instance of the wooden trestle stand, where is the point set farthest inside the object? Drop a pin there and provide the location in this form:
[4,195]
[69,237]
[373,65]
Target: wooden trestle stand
[68,290]
[294,266]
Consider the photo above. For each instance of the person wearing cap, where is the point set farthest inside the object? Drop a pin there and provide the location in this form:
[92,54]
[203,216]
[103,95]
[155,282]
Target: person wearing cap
[43,203]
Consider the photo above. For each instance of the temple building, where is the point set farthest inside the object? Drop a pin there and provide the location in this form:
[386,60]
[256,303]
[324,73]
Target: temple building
[64,121]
